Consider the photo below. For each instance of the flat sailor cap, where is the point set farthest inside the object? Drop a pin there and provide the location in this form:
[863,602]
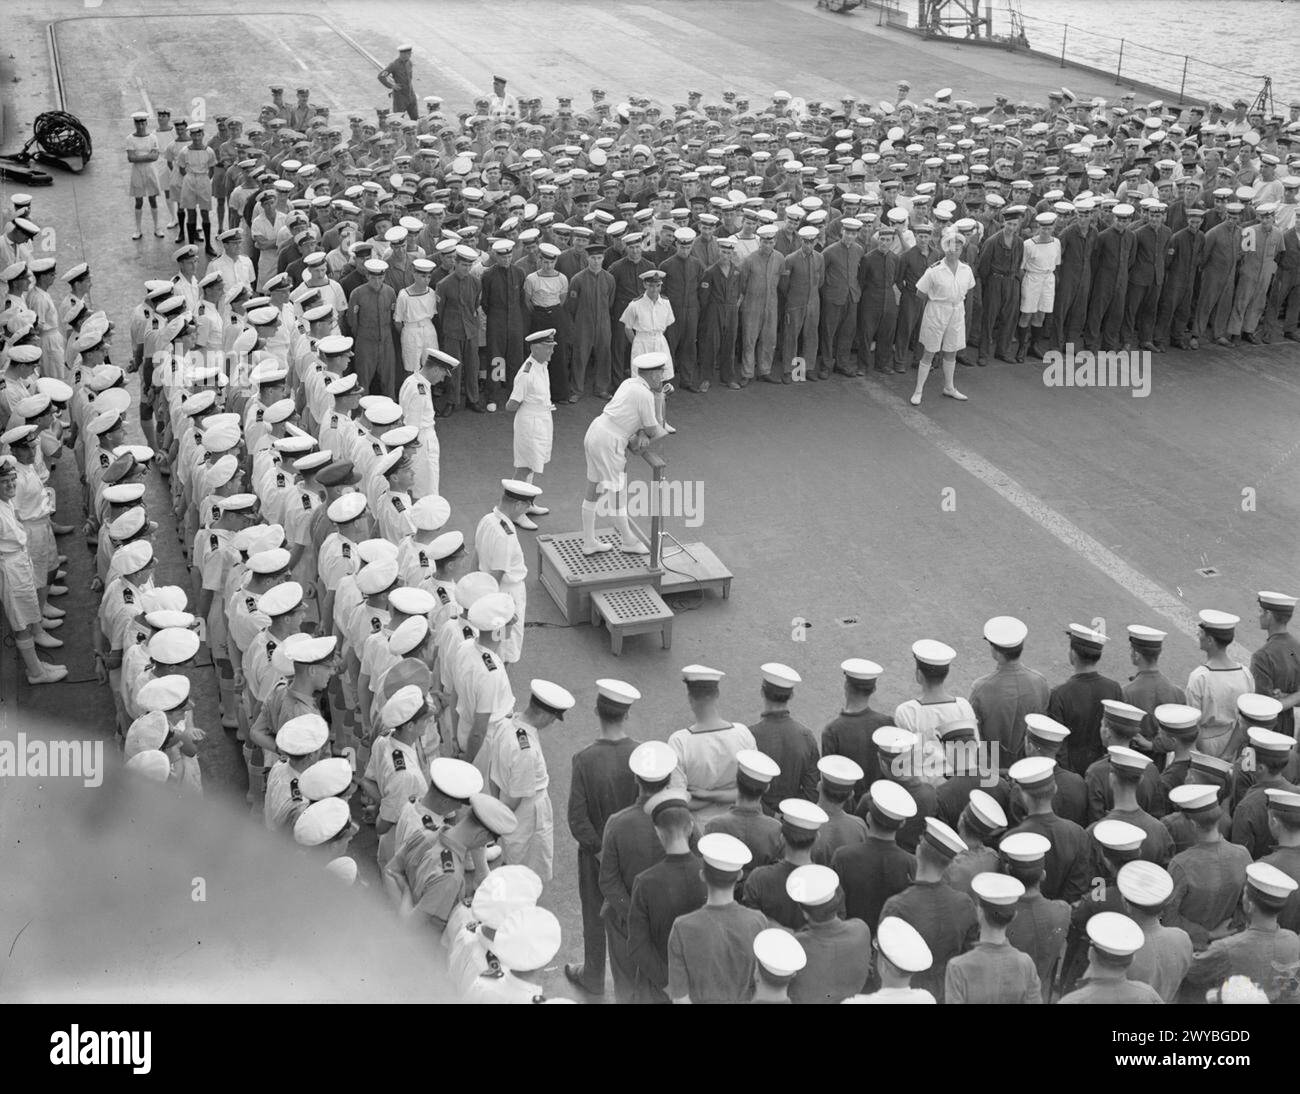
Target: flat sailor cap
[652,761]
[724,852]
[1026,847]
[892,800]
[1144,883]
[777,950]
[321,821]
[902,945]
[1005,630]
[1046,729]
[812,885]
[1118,835]
[1115,934]
[800,813]
[838,771]
[757,765]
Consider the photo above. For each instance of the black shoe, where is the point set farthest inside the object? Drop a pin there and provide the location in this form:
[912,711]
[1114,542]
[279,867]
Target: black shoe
[768,378]
[573,974]
[1253,338]
[477,408]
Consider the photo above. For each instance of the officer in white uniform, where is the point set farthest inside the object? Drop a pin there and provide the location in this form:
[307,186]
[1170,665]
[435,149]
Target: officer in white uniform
[530,402]
[470,934]
[500,554]
[517,775]
[416,399]
[301,741]
[525,944]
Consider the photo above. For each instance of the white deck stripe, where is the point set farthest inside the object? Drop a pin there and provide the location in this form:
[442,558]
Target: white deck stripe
[1136,584]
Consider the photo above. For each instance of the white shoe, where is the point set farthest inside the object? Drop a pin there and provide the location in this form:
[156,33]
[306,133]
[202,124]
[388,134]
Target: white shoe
[669,428]
[597,548]
[57,590]
[47,642]
[51,624]
[50,674]
[493,852]
[63,560]
[953,393]
[51,612]
[491,408]
[915,400]
[634,547]
[523,522]
[537,510]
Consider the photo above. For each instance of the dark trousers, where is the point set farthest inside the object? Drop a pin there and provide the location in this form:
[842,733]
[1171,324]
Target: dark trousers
[1140,311]
[1283,311]
[908,328]
[620,347]
[1175,312]
[465,350]
[620,964]
[681,338]
[1001,311]
[839,321]
[593,927]
[590,347]
[558,318]
[718,345]
[877,322]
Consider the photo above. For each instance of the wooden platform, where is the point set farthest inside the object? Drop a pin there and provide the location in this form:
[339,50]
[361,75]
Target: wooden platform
[571,577]
[636,609]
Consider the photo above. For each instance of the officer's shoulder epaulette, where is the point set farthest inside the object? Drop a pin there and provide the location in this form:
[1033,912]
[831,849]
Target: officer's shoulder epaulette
[421,388]
[399,760]
[104,461]
[375,625]
[448,861]
[306,501]
[346,548]
[467,631]
[377,448]
[398,504]
[294,792]
[488,661]
[270,648]
[521,737]
[506,527]
[538,999]
[440,591]
[213,542]
[250,603]
[279,479]
[423,558]
[128,597]
[260,411]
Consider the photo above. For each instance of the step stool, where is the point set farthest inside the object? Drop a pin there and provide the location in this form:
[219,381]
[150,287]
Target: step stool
[634,609]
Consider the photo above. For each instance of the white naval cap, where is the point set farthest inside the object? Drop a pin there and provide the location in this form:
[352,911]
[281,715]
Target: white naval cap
[929,652]
[271,561]
[892,800]
[724,852]
[902,945]
[893,740]
[942,838]
[1144,883]
[1026,847]
[472,587]
[1032,771]
[446,545]
[1269,881]
[378,576]
[411,600]
[988,815]
[551,697]
[1045,728]
[701,674]
[1005,631]
[1218,623]
[430,513]
[519,489]
[1126,759]
[164,693]
[506,890]
[346,507]
[652,761]
[1280,602]
[1001,890]
[311,651]
[812,885]
[321,821]
[616,692]
[1177,718]
[803,814]
[665,799]
[1269,742]
[408,635]
[859,668]
[151,764]
[1085,637]
[302,735]
[1263,709]
[781,676]
[527,939]
[1146,638]
[173,646]
[1115,934]
[778,951]
[1118,835]
[344,868]
[456,779]
[492,612]
[1123,714]
[282,598]
[325,778]
[404,705]
[757,765]
[840,771]
[1194,797]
